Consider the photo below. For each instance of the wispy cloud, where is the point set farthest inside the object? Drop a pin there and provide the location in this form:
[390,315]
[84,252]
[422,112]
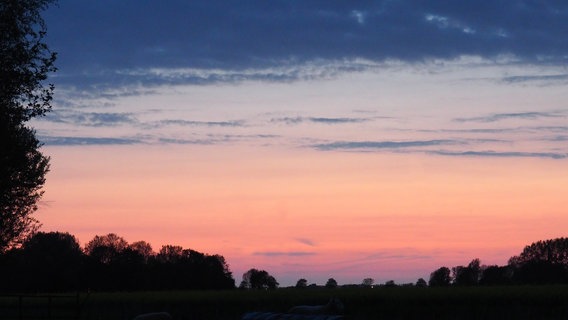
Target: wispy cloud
[149,139]
[306,241]
[547,79]
[82,141]
[505,116]
[501,154]
[113,119]
[559,138]
[192,123]
[90,119]
[370,145]
[323,120]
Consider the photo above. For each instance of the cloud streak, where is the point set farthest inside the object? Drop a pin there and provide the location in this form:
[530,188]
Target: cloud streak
[505,116]
[306,241]
[192,123]
[90,119]
[377,145]
[501,154]
[85,141]
[322,120]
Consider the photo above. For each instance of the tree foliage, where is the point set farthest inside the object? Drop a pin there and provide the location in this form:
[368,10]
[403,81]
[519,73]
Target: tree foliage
[421,283]
[25,62]
[368,282]
[554,251]
[258,279]
[302,283]
[22,175]
[331,283]
[105,248]
[440,277]
[542,262]
[52,262]
[467,276]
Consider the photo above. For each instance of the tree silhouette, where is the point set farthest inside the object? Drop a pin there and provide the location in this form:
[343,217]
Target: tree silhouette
[542,262]
[368,282]
[302,283]
[496,275]
[421,283]
[25,61]
[440,277]
[554,251]
[331,283]
[170,253]
[105,249]
[467,276]
[390,283]
[53,261]
[258,279]
[143,248]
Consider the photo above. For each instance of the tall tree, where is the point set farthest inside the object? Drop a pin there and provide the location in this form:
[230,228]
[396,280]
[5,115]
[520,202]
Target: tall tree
[440,277]
[258,279]
[467,276]
[25,62]
[302,283]
[105,249]
[331,283]
[554,251]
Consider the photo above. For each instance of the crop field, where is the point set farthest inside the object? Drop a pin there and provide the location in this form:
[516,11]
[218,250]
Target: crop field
[514,302]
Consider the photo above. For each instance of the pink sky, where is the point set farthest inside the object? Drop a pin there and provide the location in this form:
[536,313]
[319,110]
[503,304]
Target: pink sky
[311,139]
[303,213]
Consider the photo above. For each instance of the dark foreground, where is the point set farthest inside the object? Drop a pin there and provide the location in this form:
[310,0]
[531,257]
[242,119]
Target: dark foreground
[514,302]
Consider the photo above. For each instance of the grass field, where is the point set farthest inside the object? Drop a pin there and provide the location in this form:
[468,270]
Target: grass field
[515,302]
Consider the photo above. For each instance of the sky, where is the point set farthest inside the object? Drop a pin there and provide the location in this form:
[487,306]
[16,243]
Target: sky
[311,139]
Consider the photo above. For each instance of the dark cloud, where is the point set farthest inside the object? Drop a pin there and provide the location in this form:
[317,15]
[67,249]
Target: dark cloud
[306,241]
[297,120]
[370,145]
[499,154]
[107,39]
[554,78]
[82,141]
[90,119]
[505,116]
[162,123]
[208,139]
[186,141]
[559,138]
[284,253]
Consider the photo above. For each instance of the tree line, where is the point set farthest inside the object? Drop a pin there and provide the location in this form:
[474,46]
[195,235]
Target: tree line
[542,262]
[55,262]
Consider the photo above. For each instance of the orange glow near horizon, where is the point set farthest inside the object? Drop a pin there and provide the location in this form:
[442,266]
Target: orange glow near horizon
[304,213]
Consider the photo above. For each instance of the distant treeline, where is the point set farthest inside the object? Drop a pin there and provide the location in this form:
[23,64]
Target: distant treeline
[55,262]
[542,262]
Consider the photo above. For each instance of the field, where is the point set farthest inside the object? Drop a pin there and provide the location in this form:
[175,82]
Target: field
[515,302]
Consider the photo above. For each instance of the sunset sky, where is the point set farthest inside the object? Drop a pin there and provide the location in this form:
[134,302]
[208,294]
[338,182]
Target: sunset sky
[311,139]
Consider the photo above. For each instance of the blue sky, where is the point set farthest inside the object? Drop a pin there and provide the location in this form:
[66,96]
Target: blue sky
[121,41]
[110,50]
